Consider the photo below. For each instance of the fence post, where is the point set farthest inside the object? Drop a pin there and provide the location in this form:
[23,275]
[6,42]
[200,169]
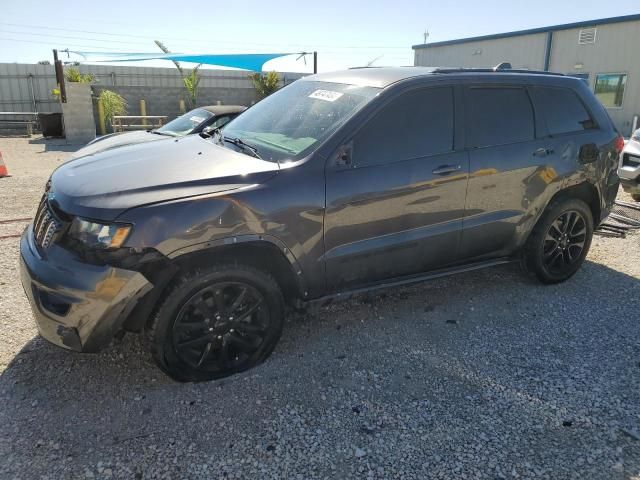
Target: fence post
[101,119]
[182,109]
[33,93]
[143,111]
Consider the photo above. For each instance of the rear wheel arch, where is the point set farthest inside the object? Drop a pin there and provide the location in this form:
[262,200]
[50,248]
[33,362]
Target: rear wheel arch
[585,191]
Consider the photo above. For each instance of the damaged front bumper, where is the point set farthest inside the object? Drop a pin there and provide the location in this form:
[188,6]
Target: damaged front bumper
[77,305]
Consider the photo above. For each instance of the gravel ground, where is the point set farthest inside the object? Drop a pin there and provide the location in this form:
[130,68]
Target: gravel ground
[484,375]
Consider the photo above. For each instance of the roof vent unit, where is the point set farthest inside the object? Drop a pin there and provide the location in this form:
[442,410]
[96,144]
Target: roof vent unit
[586,36]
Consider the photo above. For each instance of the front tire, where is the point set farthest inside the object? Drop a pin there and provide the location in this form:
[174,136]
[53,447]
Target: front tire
[560,241]
[636,197]
[216,322]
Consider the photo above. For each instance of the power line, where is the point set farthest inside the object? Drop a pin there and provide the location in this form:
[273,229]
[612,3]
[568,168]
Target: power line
[146,37]
[50,43]
[70,37]
[37,34]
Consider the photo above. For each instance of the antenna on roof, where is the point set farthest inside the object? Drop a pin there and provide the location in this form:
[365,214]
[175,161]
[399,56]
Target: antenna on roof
[502,66]
[426,35]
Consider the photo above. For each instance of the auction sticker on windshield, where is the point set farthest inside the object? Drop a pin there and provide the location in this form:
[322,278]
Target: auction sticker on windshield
[326,95]
[195,119]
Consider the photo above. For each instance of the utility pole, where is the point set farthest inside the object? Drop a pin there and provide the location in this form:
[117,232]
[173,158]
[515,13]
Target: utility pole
[315,62]
[57,64]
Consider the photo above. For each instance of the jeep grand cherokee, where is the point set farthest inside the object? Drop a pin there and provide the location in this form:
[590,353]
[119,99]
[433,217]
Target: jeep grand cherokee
[337,183]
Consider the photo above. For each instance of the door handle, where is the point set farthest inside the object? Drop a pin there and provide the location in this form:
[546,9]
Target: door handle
[446,169]
[542,152]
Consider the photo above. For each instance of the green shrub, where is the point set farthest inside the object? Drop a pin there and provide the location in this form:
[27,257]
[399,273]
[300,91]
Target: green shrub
[265,83]
[112,104]
[73,75]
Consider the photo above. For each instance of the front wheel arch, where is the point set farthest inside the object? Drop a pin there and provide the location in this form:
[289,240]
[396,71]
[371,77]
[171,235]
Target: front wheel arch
[263,255]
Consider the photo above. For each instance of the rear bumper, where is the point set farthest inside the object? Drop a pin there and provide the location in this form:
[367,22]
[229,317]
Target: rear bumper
[76,305]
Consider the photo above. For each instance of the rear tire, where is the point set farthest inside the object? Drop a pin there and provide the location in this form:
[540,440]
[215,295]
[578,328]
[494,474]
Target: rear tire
[560,241]
[215,322]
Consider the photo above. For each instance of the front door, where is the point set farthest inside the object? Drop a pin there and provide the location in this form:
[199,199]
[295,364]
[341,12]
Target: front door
[395,193]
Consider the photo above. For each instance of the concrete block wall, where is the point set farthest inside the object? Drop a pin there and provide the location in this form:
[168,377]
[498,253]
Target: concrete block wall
[77,114]
[166,100]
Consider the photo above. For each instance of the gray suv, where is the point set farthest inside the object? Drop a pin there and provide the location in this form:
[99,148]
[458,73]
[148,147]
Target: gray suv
[338,183]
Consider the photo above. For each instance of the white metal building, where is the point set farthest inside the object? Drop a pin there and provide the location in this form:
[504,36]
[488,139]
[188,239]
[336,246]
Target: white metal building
[603,52]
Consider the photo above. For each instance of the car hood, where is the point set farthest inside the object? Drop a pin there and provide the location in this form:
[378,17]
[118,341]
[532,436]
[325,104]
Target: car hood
[116,140]
[104,185]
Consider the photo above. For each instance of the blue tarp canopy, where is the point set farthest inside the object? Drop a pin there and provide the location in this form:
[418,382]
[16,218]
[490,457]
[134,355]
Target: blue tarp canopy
[245,61]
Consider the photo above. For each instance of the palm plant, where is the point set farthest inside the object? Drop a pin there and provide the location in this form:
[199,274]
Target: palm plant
[190,80]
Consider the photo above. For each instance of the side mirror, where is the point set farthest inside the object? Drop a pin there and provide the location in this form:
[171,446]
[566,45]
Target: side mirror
[208,130]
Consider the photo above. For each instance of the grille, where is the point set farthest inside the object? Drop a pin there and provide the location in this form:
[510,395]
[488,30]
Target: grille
[45,224]
[630,160]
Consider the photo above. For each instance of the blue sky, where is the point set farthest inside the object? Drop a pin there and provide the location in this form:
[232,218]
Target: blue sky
[344,33]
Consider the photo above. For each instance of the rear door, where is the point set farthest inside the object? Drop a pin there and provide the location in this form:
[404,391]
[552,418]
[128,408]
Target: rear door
[395,192]
[509,166]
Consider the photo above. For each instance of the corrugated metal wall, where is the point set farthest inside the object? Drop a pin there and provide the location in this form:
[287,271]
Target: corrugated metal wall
[27,87]
[526,51]
[614,51]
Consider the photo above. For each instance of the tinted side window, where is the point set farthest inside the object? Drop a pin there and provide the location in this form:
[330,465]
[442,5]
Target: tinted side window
[499,116]
[222,120]
[416,124]
[562,110]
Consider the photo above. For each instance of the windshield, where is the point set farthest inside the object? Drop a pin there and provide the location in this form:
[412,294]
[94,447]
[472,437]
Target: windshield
[185,123]
[292,122]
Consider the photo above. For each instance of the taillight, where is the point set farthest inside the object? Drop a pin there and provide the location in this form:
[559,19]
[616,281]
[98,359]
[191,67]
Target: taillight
[618,144]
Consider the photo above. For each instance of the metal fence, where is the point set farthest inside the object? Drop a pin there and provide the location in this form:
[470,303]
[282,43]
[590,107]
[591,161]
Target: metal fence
[27,87]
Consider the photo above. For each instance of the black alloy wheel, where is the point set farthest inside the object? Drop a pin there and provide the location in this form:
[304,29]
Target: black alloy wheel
[221,327]
[560,241]
[216,321]
[564,242]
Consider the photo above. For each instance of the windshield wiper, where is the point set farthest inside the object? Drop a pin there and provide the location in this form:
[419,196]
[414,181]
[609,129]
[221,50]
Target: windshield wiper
[243,145]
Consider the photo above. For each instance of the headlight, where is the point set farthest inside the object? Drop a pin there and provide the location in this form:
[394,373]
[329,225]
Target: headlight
[98,235]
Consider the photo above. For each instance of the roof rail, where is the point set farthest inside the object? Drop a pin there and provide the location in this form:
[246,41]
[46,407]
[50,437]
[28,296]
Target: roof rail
[494,70]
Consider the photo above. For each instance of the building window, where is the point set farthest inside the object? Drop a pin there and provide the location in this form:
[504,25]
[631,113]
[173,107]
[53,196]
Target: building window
[610,88]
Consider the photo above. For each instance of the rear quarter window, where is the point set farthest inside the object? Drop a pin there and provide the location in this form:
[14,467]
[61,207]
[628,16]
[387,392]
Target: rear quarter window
[562,110]
[498,116]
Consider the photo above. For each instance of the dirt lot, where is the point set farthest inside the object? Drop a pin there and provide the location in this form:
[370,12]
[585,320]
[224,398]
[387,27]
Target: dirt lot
[483,375]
